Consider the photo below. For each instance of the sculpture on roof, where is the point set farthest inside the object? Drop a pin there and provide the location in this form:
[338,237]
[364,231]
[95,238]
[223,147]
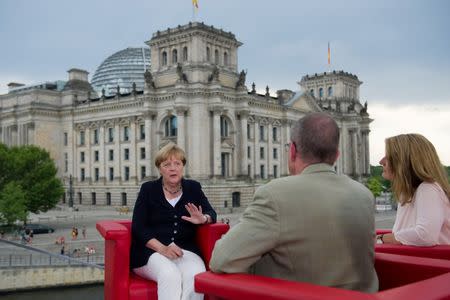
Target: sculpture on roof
[181,76]
[214,75]
[241,79]
[149,79]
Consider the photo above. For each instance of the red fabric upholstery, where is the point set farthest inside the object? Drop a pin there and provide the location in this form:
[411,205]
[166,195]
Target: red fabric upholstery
[439,251]
[406,277]
[120,283]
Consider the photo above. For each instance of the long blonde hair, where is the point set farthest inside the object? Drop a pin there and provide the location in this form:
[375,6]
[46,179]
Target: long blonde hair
[413,160]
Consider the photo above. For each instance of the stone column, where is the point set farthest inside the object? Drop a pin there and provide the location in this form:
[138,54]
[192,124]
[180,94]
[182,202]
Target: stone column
[117,156]
[355,158]
[148,144]
[256,158]
[244,143]
[87,155]
[102,154]
[181,132]
[365,135]
[269,151]
[217,111]
[133,157]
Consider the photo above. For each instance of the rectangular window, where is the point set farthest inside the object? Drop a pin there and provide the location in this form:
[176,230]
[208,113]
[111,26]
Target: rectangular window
[274,134]
[249,151]
[111,174]
[126,154]
[143,153]
[82,158]
[80,198]
[110,134]
[82,141]
[275,153]
[127,173]
[261,152]
[108,198]
[96,174]
[124,199]
[143,171]
[96,155]
[126,133]
[82,175]
[275,171]
[66,139]
[142,132]
[261,133]
[248,131]
[262,171]
[249,170]
[111,155]
[66,162]
[94,198]
[95,136]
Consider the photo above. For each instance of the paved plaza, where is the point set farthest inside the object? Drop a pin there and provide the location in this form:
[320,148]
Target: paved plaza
[64,219]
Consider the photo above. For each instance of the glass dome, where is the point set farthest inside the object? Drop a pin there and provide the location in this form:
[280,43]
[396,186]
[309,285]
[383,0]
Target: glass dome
[122,69]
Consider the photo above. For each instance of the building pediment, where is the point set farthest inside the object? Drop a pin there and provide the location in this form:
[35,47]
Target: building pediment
[304,102]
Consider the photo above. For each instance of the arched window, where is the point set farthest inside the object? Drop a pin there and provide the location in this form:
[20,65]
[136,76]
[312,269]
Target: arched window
[311,92]
[223,126]
[216,57]
[330,91]
[174,56]
[170,126]
[208,54]
[185,54]
[164,58]
[225,59]
[320,92]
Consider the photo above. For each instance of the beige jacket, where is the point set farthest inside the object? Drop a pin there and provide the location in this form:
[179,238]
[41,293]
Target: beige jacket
[316,227]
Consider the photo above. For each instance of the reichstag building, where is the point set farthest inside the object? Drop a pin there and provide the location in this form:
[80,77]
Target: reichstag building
[185,87]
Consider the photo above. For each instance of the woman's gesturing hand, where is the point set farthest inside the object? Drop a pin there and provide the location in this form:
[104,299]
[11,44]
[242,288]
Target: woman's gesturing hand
[197,217]
[172,251]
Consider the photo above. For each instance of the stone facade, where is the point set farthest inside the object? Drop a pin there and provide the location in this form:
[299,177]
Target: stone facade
[196,97]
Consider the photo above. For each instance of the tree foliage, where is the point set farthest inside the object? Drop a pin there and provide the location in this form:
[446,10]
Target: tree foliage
[12,204]
[374,185]
[32,169]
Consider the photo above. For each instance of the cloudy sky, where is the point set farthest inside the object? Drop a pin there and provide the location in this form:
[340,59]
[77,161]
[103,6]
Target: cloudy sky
[399,49]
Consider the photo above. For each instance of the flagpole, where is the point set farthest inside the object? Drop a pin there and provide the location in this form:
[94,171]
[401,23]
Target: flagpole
[329,58]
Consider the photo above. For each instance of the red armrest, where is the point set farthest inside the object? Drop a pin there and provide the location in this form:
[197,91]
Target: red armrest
[245,286]
[439,251]
[206,237]
[382,231]
[117,257]
[428,278]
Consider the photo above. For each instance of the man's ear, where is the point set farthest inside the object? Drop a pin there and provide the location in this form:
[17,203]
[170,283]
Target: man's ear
[292,152]
[337,155]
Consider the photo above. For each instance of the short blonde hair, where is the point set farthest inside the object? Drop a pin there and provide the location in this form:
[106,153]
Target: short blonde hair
[413,160]
[168,151]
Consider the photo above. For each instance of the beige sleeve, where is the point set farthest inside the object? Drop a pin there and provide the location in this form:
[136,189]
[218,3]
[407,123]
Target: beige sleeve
[255,234]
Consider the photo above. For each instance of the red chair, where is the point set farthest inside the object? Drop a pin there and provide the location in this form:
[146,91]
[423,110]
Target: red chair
[401,277]
[120,282]
[439,251]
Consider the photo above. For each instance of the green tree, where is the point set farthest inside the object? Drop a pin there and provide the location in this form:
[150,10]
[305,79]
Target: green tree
[376,171]
[35,172]
[12,204]
[374,185]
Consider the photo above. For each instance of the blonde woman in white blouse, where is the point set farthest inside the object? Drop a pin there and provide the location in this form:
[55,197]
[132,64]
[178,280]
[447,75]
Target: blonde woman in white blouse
[420,185]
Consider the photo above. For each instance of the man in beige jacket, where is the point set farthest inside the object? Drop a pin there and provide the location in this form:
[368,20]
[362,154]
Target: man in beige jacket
[313,226]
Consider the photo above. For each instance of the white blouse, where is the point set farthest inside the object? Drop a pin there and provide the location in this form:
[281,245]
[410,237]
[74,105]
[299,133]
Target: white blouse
[426,220]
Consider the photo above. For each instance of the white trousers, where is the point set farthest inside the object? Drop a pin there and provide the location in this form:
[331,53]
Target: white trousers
[175,277]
